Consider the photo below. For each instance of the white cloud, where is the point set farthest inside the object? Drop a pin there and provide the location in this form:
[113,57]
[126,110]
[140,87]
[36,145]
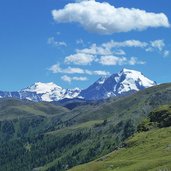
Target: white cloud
[107,53]
[66,78]
[101,73]
[80,78]
[104,18]
[71,70]
[119,52]
[80,59]
[57,69]
[166,53]
[95,50]
[98,72]
[52,41]
[83,0]
[80,42]
[127,43]
[70,79]
[134,61]
[158,44]
[114,60]
[149,49]
[112,48]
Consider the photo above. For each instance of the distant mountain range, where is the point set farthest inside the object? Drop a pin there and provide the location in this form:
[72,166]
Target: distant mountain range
[120,84]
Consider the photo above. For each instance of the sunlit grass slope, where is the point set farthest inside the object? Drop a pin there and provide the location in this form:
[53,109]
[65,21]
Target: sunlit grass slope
[145,151]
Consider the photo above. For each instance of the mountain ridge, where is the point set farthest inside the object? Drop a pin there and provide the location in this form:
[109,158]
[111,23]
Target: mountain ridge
[122,83]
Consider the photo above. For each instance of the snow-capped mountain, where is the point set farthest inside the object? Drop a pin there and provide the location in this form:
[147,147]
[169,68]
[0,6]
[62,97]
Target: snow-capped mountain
[43,92]
[123,83]
[50,92]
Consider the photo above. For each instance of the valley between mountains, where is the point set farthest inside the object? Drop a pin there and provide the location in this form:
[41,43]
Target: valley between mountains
[121,122]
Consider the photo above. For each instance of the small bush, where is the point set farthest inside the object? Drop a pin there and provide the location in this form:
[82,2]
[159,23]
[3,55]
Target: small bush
[146,125]
[162,117]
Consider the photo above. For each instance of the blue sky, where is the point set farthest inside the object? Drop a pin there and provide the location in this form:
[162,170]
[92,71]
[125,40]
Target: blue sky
[73,45]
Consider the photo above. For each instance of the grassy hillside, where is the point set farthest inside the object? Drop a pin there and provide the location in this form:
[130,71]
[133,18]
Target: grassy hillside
[134,106]
[24,118]
[146,151]
[149,149]
[12,108]
[49,137]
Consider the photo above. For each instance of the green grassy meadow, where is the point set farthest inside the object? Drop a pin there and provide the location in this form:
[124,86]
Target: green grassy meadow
[145,151]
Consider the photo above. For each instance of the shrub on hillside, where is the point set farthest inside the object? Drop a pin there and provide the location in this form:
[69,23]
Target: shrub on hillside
[162,117]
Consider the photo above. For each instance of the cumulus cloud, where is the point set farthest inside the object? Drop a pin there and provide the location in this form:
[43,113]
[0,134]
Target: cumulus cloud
[101,73]
[56,68]
[112,53]
[70,79]
[97,72]
[95,50]
[104,18]
[114,60]
[79,59]
[71,70]
[112,48]
[53,42]
[128,43]
[115,47]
